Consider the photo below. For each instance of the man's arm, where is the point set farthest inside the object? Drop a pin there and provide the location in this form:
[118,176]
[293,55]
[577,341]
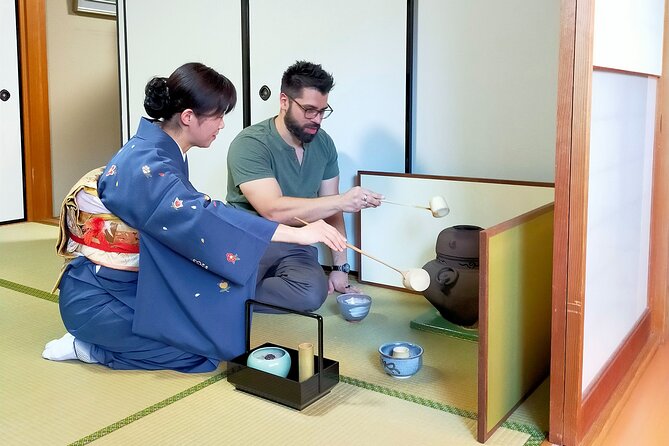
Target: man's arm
[267,199]
[330,188]
[338,280]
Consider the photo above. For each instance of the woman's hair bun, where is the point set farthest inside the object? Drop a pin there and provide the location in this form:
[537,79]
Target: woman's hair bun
[157,98]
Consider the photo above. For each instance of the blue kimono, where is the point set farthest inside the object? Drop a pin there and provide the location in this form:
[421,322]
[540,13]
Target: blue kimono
[198,260]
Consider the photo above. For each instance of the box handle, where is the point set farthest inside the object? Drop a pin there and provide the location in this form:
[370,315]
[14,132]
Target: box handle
[318,318]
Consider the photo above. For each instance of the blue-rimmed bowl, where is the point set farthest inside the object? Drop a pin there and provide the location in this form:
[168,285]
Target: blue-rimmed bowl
[274,360]
[354,307]
[401,367]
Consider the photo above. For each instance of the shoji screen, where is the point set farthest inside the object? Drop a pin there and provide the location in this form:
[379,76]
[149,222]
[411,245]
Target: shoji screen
[11,159]
[619,198]
[157,36]
[627,54]
[628,35]
[363,44]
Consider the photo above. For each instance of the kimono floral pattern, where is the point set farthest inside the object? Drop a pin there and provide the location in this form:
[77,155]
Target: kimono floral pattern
[177,204]
[187,254]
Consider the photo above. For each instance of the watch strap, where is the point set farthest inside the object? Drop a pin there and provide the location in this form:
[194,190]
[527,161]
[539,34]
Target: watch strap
[345,267]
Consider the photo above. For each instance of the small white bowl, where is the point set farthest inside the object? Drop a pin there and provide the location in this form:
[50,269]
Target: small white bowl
[354,307]
[401,366]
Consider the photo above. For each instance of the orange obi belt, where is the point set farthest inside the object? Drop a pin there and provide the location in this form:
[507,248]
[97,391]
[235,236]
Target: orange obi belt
[102,237]
[106,233]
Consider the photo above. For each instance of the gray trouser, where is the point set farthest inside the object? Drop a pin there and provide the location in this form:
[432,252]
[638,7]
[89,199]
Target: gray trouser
[290,276]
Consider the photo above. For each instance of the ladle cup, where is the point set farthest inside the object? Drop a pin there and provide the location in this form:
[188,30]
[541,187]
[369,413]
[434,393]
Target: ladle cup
[438,206]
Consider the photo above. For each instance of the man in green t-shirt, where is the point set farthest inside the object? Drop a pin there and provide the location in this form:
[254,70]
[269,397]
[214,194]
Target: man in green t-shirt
[286,167]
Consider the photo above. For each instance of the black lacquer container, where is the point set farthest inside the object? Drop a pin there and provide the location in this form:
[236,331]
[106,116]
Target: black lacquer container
[288,391]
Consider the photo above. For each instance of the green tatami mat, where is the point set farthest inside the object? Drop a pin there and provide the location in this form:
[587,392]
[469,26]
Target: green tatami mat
[349,415]
[50,403]
[46,402]
[28,255]
[449,372]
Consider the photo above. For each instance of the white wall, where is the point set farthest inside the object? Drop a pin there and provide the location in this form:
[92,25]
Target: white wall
[178,33]
[485,79]
[83,94]
[369,63]
[366,53]
[486,88]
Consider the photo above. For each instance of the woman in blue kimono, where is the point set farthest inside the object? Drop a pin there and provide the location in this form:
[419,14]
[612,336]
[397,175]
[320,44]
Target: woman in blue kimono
[159,273]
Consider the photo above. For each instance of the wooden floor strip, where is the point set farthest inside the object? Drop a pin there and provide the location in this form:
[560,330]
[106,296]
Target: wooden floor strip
[642,420]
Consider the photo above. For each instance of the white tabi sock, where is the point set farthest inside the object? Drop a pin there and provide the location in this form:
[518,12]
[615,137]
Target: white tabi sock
[67,348]
[83,351]
[60,349]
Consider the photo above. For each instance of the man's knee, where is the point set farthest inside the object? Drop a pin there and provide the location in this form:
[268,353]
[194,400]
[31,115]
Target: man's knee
[314,296]
[302,295]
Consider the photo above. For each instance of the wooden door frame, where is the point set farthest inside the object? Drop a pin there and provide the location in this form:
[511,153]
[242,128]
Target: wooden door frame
[576,418]
[563,147]
[34,79]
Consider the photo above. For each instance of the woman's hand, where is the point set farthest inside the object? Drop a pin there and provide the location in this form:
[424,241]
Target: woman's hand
[317,231]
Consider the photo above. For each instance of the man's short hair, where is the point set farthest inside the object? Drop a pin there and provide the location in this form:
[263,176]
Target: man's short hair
[304,74]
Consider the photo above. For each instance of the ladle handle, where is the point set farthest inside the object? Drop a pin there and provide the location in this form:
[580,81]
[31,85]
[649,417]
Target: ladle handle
[356,249]
[407,205]
[373,258]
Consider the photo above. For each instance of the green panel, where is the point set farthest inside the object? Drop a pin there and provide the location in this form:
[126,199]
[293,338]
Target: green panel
[434,322]
[519,313]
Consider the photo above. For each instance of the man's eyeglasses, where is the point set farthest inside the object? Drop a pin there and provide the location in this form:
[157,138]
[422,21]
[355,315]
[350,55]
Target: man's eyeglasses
[311,113]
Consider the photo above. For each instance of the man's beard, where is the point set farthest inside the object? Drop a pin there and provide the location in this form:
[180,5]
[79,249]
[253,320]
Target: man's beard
[297,131]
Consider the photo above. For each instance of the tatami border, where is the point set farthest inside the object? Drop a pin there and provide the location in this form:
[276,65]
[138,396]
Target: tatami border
[149,410]
[536,436]
[28,290]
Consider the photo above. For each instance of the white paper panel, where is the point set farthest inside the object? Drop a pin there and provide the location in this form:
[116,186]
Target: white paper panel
[628,35]
[161,35]
[486,88]
[11,159]
[363,44]
[620,177]
[405,237]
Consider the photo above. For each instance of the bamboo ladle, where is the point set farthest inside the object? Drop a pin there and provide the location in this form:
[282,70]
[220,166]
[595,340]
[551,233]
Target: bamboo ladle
[415,279]
[438,206]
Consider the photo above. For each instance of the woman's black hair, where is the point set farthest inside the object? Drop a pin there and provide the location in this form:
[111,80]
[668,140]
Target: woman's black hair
[192,85]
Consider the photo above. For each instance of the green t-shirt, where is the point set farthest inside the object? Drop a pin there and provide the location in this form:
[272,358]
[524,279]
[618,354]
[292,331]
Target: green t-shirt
[260,152]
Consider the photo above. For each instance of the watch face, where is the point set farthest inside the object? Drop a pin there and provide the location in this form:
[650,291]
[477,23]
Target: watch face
[344,268]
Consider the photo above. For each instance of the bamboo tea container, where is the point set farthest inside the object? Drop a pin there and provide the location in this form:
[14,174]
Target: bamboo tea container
[305,356]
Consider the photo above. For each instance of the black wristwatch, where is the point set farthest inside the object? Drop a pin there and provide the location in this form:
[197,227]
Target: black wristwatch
[345,268]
